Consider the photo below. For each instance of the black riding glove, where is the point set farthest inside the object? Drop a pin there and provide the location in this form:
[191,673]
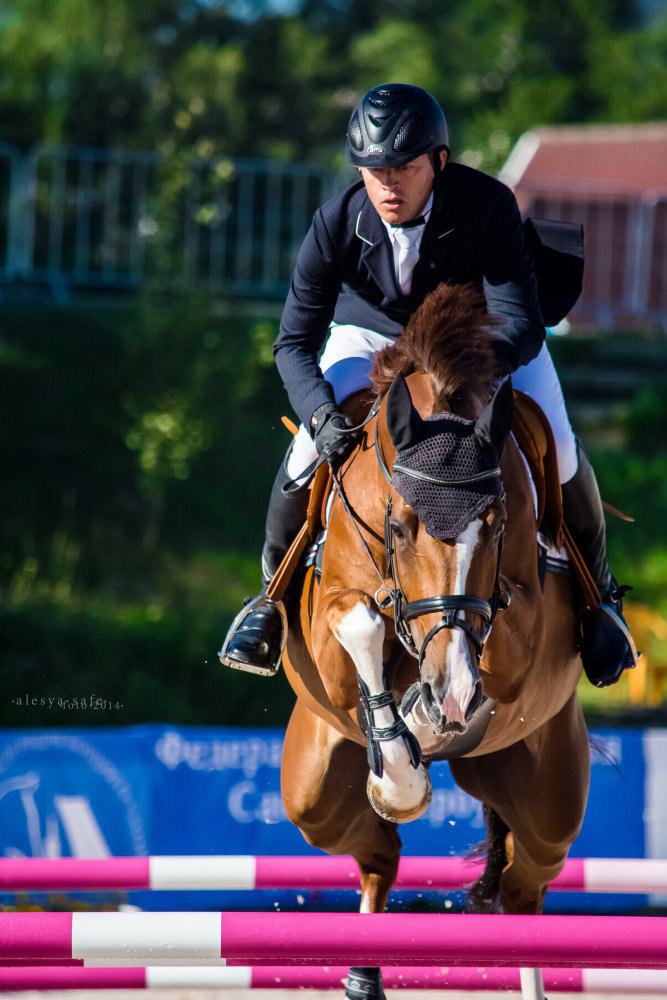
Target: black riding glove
[332,433]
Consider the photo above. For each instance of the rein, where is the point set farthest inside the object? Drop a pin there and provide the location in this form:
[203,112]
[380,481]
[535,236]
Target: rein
[305,477]
[453,606]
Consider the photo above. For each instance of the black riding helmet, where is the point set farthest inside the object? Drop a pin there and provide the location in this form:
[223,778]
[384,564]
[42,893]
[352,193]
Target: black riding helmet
[393,124]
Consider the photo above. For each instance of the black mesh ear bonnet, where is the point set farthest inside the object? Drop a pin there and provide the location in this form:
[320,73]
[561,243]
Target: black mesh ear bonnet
[393,124]
[447,467]
[443,477]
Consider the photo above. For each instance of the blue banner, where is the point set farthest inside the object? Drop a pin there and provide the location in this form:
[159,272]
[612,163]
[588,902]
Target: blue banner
[180,790]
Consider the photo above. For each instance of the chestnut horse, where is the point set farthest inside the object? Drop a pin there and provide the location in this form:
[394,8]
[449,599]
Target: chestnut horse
[430,633]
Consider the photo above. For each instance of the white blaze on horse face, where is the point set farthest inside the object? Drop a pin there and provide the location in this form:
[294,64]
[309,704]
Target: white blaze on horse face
[460,666]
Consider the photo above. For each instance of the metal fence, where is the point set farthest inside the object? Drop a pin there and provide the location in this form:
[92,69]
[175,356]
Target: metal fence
[8,215]
[73,217]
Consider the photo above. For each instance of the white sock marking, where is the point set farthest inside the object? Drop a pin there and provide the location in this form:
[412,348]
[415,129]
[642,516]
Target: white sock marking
[361,633]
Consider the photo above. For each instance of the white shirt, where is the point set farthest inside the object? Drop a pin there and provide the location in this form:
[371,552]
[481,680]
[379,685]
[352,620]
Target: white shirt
[418,232]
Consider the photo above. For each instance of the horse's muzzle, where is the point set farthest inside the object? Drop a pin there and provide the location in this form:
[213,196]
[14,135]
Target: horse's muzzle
[445,713]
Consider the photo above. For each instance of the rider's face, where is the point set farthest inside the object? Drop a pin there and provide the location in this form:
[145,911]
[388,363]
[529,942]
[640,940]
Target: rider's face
[399,194]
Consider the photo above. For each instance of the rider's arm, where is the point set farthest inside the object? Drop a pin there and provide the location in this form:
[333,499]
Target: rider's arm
[304,325]
[510,286]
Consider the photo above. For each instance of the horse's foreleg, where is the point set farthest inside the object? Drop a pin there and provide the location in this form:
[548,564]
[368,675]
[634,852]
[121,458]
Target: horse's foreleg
[399,787]
[323,779]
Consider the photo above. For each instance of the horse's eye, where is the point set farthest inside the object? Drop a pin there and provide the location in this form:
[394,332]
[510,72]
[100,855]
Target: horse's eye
[397,530]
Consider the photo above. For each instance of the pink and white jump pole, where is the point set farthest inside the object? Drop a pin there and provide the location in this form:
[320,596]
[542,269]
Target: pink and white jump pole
[637,875]
[131,939]
[331,978]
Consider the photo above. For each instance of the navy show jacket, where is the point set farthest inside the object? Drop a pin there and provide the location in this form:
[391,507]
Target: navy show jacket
[345,272]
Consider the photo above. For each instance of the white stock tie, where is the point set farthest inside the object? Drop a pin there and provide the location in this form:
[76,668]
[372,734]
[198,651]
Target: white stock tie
[408,255]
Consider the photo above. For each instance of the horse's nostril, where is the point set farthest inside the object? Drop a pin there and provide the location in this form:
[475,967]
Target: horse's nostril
[475,701]
[430,703]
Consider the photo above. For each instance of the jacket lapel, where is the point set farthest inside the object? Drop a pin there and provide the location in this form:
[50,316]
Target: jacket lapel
[436,251]
[376,253]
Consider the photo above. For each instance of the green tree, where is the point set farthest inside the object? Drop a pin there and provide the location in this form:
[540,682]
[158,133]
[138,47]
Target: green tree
[223,78]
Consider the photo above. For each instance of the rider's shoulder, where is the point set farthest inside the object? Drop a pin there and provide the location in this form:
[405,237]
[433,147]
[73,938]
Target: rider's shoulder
[469,179]
[333,219]
[345,202]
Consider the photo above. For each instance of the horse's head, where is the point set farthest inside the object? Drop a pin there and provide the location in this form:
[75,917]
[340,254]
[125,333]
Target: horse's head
[444,529]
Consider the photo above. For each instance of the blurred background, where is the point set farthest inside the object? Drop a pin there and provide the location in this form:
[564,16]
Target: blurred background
[159,164]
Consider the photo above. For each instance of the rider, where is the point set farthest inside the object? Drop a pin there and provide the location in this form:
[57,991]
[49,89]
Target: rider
[372,254]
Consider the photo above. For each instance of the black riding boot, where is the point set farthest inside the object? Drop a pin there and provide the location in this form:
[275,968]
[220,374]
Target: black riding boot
[256,637]
[605,642]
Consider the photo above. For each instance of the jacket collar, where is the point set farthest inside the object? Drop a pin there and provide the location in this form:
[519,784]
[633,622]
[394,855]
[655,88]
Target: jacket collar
[435,250]
[369,227]
[371,230]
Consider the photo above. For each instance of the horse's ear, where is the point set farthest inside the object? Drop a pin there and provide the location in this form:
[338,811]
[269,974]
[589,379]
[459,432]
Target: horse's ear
[403,420]
[495,421]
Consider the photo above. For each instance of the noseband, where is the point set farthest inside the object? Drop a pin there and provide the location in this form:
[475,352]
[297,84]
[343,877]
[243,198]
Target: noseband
[452,606]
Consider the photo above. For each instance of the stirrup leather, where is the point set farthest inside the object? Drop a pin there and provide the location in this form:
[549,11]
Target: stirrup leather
[270,668]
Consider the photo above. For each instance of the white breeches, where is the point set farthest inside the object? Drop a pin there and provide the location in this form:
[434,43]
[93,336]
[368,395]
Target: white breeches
[346,363]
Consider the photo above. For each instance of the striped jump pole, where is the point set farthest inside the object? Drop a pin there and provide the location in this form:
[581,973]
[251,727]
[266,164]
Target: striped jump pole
[607,981]
[131,939]
[624,875]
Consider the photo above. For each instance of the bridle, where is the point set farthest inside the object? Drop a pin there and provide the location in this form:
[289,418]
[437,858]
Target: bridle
[453,607]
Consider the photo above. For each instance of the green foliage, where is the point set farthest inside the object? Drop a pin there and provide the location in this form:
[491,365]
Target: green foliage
[396,50]
[180,76]
[637,485]
[151,661]
[205,394]
[622,64]
[645,424]
[139,446]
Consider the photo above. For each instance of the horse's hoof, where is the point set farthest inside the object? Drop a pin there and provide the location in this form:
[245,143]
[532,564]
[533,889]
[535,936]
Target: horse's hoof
[414,801]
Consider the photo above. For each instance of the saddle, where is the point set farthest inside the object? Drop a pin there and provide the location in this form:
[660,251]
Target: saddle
[534,437]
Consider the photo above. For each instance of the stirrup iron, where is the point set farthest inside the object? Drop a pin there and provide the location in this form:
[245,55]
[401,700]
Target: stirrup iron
[610,611]
[270,668]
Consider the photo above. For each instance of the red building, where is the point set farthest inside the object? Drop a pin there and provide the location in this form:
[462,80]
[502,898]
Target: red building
[613,180]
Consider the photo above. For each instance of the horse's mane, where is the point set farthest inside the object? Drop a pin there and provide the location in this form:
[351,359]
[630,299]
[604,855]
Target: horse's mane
[449,338]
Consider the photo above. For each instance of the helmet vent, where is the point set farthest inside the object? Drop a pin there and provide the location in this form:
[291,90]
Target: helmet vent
[378,121]
[409,133]
[355,135]
[393,124]
[382,98]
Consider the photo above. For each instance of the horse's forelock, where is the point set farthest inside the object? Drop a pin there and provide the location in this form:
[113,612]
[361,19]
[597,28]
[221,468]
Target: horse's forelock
[449,338]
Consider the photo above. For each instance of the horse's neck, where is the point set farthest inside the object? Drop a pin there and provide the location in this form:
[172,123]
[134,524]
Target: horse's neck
[520,549]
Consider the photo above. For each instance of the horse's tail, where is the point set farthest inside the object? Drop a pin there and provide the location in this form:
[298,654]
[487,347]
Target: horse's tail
[483,895]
